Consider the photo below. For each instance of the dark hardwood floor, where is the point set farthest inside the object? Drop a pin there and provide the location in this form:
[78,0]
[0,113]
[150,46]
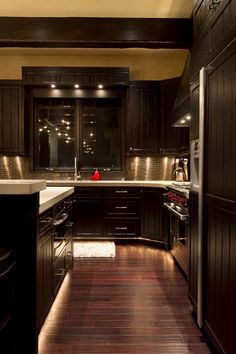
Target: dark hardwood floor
[133,303]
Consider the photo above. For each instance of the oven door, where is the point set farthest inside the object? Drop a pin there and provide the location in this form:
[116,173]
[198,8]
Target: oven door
[178,239]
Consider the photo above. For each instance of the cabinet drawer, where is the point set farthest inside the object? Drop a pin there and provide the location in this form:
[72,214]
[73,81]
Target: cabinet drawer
[121,207]
[121,192]
[45,220]
[122,228]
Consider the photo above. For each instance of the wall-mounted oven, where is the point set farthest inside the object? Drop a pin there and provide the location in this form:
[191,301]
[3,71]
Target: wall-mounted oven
[176,202]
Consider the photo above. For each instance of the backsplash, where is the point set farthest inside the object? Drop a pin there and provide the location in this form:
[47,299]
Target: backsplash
[137,168]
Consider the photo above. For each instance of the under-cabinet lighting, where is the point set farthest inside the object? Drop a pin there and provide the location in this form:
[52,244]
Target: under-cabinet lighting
[188,117]
[67,127]
[100,86]
[53,86]
[182,121]
[76,86]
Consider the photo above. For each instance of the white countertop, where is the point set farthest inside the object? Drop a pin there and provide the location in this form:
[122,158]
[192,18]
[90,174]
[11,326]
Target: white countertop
[52,195]
[21,186]
[108,183]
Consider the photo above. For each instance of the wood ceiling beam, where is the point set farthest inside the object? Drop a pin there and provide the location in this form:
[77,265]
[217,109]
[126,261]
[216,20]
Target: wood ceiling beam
[91,32]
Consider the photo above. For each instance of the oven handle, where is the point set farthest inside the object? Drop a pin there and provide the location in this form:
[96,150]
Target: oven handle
[175,212]
[60,221]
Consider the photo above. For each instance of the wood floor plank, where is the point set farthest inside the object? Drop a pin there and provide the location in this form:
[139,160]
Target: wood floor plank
[134,303]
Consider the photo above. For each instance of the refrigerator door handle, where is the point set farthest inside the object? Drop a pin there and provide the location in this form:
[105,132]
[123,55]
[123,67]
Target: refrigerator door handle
[202,89]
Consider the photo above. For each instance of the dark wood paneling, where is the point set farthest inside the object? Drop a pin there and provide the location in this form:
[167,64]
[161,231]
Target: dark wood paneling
[221,128]
[220,197]
[95,32]
[11,118]
[220,310]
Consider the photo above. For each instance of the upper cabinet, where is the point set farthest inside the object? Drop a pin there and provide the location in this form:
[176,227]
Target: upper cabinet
[143,118]
[11,118]
[150,128]
[169,135]
[213,27]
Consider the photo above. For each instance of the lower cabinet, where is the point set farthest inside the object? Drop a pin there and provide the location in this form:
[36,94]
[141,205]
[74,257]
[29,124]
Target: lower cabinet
[88,213]
[106,213]
[45,261]
[152,209]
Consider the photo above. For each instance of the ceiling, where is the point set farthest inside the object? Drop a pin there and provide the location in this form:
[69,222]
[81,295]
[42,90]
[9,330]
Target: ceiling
[97,8]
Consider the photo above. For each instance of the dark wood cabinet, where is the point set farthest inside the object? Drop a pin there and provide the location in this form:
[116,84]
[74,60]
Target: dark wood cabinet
[88,213]
[11,118]
[193,250]
[152,208]
[169,135]
[214,27]
[45,262]
[106,213]
[143,118]
[121,212]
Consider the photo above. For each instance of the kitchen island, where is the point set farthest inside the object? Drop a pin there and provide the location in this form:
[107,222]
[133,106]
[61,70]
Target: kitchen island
[22,203]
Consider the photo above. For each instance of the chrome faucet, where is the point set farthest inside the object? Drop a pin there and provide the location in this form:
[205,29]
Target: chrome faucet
[77,175]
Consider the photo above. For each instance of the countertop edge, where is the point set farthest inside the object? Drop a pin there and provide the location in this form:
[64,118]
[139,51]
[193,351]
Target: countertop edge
[55,199]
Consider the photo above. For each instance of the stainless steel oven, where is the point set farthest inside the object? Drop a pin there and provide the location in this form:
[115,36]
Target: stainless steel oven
[176,202]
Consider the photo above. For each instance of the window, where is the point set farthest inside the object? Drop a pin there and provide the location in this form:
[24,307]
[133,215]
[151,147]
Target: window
[54,133]
[100,133]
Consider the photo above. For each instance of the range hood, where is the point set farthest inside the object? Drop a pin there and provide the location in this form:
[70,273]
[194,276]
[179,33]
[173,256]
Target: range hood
[181,111]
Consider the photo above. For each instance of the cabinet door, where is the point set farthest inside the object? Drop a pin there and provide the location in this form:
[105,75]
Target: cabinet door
[11,118]
[152,215]
[45,263]
[169,135]
[143,119]
[88,213]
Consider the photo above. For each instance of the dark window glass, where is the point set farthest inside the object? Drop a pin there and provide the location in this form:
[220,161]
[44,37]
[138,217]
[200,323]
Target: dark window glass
[55,137]
[101,133]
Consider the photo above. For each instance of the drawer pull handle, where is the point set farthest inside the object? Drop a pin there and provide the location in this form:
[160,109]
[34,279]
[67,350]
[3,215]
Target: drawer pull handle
[121,228]
[121,207]
[47,220]
[122,191]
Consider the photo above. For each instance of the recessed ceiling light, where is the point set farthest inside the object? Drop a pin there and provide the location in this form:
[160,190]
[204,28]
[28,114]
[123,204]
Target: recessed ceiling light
[76,86]
[53,86]
[100,86]
[182,121]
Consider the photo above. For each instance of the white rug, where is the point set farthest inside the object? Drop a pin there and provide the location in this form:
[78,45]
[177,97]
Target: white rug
[94,249]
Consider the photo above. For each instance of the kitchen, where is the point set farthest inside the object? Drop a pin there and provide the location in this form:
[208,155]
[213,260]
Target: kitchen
[149,146]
